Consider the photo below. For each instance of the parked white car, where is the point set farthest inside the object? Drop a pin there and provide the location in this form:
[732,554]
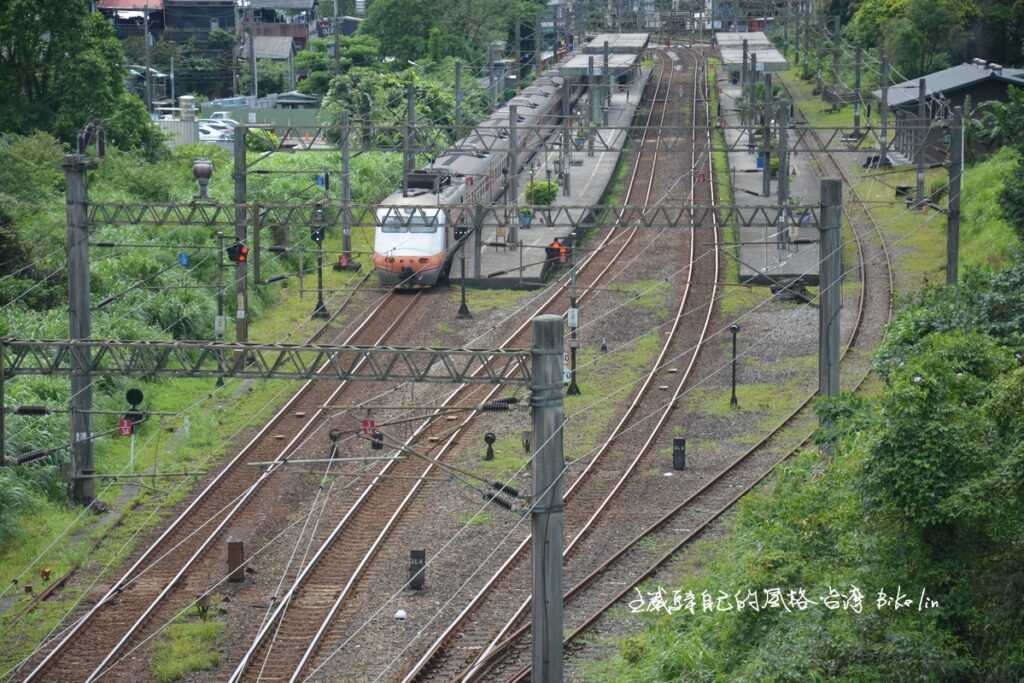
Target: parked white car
[223,117]
[217,125]
[208,134]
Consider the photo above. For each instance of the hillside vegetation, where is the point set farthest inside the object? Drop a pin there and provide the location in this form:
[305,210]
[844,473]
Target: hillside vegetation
[923,497]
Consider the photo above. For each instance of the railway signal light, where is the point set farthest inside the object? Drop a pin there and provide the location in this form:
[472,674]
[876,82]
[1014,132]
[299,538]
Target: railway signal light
[489,439]
[377,441]
[316,233]
[238,253]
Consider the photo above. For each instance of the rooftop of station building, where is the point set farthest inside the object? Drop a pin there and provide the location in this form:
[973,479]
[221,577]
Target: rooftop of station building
[619,43]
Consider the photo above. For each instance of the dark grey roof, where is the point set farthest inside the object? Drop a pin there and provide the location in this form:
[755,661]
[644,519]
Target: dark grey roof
[948,80]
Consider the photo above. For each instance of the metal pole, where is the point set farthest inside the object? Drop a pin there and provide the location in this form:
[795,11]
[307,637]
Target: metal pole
[463,307]
[320,311]
[219,323]
[956,168]
[574,323]
[252,62]
[408,156]
[346,195]
[478,241]
[149,89]
[337,40]
[591,96]
[752,100]
[458,96]
[564,150]
[518,50]
[513,171]
[785,27]
[538,47]
[492,90]
[733,402]
[744,77]
[546,517]
[836,54]
[883,157]
[783,181]
[766,127]
[174,96]
[241,319]
[921,139]
[79,327]
[858,57]
[830,258]
[608,78]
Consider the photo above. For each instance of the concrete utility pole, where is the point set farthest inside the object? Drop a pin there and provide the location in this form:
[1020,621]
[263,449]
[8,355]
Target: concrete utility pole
[512,191]
[408,155]
[883,157]
[921,139]
[858,58]
[574,323]
[785,26]
[478,241]
[830,256]
[83,486]
[956,169]
[546,517]
[337,40]
[241,315]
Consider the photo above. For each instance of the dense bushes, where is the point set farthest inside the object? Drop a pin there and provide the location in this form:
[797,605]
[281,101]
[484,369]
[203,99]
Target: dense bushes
[925,491]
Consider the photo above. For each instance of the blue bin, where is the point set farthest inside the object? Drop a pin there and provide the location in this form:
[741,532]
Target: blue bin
[760,161]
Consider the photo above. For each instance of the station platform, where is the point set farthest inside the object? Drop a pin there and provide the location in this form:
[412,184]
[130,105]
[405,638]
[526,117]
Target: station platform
[526,266]
[762,261]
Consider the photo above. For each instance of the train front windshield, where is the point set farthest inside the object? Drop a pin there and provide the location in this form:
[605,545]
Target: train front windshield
[409,224]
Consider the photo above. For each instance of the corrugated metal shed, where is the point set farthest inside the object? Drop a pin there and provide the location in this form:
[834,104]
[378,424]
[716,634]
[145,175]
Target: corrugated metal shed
[949,80]
[270,47]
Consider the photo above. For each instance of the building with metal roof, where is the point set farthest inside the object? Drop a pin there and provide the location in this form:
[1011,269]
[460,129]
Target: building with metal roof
[981,80]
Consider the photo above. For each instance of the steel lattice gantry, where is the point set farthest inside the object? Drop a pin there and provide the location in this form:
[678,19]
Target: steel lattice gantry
[266,361]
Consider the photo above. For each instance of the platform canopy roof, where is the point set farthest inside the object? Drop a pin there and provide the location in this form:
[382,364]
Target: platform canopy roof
[730,46]
[577,66]
[618,43]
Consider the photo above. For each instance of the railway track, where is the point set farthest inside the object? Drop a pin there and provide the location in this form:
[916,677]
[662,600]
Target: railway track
[587,601]
[593,501]
[158,580]
[289,642]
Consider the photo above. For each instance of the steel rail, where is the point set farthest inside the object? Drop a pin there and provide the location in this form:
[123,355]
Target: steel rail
[128,576]
[486,657]
[250,492]
[445,636]
[523,673]
[278,613]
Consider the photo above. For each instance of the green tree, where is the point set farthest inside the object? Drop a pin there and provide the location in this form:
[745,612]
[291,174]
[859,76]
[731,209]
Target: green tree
[356,51]
[402,26]
[59,66]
